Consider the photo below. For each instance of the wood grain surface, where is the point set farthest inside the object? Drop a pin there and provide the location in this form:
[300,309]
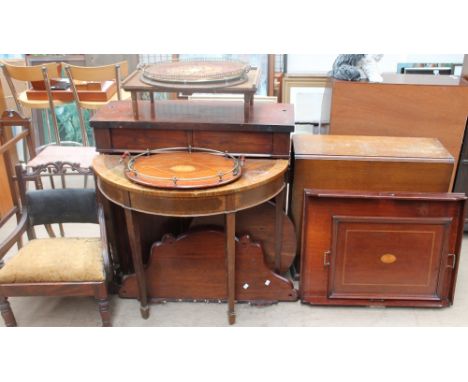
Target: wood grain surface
[196,115]
[259,223]
[422,230]
[261,180]
[209,124]
[183,169]
[192,267]
[367,164]
[370,148]
[402,106]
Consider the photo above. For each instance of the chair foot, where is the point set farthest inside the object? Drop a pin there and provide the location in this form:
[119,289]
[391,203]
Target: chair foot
[7,313]
[104,311]
[144,311]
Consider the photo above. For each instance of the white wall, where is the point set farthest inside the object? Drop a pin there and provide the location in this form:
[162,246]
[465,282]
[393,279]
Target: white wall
[313,63]
[307,104]
[308,101]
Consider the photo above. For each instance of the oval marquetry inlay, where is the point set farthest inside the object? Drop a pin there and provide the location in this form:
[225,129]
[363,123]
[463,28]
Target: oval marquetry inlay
[388,258]
[183,168]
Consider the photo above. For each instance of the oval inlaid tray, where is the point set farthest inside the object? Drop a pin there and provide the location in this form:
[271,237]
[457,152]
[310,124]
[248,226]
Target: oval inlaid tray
[200,73]
[180,167]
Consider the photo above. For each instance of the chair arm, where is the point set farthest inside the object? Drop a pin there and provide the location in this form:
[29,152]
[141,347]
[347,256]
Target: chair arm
[14,236]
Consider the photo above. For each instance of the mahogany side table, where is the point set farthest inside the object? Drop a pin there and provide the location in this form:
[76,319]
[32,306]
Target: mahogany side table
[261,180]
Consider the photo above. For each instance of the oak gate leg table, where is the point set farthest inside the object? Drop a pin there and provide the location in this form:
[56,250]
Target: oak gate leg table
[261,180]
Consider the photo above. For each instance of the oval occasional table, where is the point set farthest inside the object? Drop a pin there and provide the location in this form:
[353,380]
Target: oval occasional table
[261,180]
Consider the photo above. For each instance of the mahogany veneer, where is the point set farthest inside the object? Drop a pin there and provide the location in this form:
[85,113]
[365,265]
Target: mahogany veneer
[259,223]
[368,248]
[209,124]
[192,267]
[261,181]
[402,106]
[368,164]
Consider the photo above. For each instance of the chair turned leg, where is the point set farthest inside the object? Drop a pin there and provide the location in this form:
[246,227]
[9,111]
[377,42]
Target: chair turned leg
[104,311]
[7,313]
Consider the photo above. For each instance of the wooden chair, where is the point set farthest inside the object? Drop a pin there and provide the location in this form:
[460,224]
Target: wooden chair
[39,73]
[55,266]
[112,72]
[50,152]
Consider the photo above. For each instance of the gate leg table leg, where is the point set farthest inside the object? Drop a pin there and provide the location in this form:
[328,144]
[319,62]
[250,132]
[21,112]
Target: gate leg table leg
[231,264]
[135,246]
[279,201]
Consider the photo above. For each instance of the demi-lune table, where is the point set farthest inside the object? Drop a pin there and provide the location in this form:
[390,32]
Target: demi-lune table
[261,180]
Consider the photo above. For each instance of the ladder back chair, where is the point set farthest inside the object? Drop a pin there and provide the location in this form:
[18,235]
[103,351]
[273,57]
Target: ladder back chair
[55,266]
[86,74]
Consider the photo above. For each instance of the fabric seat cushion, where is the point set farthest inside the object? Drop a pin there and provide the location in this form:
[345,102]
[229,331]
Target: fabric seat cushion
[55,260]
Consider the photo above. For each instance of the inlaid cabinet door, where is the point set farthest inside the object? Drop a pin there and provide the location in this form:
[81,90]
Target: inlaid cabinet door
[388,257]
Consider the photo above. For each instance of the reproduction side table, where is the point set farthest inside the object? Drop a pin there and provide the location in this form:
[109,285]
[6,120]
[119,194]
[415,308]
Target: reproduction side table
[135,85]
[261,180]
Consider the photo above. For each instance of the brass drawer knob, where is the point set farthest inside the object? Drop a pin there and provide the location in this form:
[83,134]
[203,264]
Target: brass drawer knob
[388,258]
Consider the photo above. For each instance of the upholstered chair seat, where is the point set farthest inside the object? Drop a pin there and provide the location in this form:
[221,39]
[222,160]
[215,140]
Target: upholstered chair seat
[55,260]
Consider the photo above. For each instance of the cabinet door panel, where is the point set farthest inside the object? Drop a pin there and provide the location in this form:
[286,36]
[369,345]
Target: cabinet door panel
[388,257]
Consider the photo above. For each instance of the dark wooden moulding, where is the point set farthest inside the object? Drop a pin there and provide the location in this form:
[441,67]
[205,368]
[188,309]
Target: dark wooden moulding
[209,124]
[388,249]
